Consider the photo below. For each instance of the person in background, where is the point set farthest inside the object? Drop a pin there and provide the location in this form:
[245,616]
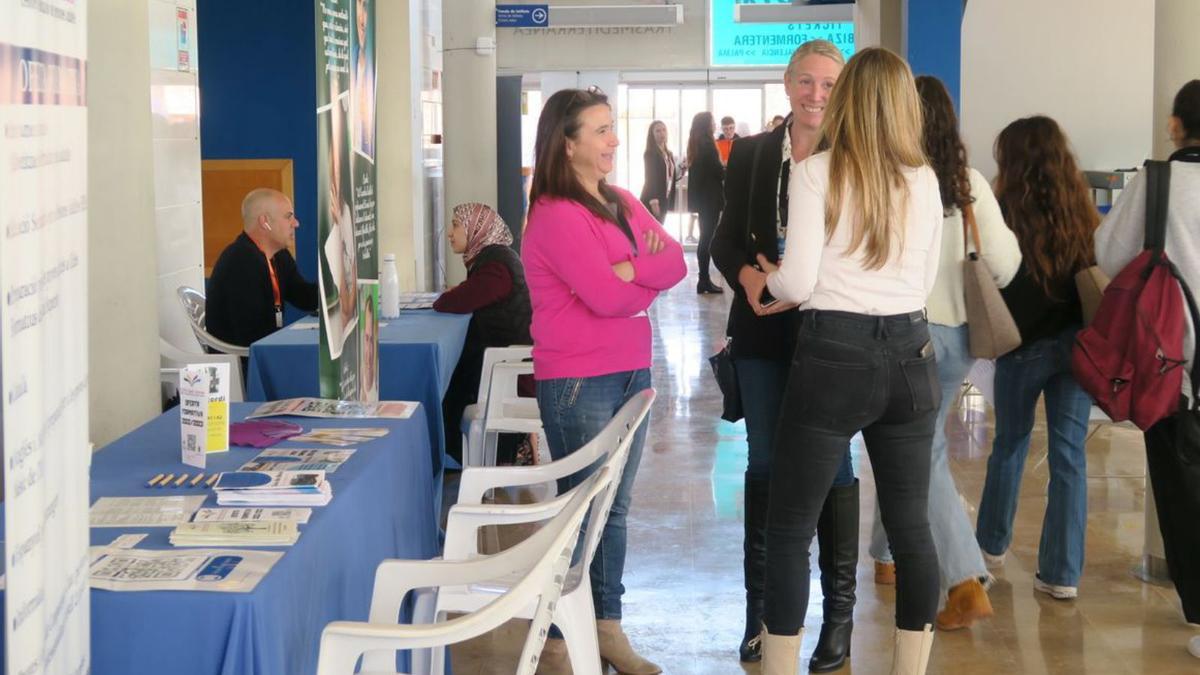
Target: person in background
[706,175]
[1046,202]
[497,297]
[596,260]
[1174,465]
[961,566]
[763,339]
[863,241]
[662,173]
[728,129]
[256,273]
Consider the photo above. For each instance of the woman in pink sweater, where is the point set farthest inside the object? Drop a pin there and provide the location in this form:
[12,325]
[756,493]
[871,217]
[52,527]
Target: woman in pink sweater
[595,260]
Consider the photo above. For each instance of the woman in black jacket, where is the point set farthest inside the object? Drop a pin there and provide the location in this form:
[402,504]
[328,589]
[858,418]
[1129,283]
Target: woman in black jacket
[705,185]
[763,338]
[662,172]
[496,295]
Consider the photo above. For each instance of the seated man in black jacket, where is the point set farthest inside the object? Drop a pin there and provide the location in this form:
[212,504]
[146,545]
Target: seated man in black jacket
[256,273]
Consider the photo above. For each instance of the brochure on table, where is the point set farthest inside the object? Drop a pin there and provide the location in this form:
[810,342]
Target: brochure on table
[203,411]
[226,570]
[144,511]
[331,408]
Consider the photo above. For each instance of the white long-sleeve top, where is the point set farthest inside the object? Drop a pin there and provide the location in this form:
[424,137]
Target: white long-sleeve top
[825,275]
[1001,253]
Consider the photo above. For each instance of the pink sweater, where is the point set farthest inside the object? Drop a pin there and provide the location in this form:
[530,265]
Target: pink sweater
[586,321]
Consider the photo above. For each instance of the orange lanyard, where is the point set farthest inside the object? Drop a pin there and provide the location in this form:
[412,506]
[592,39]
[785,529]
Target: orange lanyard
[274,290]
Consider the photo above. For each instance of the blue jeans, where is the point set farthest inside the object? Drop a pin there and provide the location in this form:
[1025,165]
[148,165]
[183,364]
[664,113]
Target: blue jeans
[761,382]
[1021,376]
[959,558]
[574,410]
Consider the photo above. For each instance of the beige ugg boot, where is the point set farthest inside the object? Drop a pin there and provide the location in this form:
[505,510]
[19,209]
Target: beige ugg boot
[554,659]
[912,651]
[781,653]
[616,651]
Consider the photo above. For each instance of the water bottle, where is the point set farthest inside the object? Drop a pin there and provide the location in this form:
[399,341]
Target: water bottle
[389,289]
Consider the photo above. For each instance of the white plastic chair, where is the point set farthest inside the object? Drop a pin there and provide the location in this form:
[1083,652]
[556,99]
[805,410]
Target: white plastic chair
[172,358]
[194,306]
[541,562]
[574,612]
[482,424]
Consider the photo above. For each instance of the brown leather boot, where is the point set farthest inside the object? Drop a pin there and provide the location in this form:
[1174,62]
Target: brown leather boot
[885,573]
[616,651]
[967,603]
[554,659]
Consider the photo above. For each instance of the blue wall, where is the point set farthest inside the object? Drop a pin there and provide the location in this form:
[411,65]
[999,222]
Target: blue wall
[934,41]
[258,95]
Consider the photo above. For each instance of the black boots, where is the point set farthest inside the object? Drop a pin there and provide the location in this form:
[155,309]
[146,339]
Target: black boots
[837,535]
[754,562]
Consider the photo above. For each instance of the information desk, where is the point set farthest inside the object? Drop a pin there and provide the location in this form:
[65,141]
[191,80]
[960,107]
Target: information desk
[417,355]
[380,510]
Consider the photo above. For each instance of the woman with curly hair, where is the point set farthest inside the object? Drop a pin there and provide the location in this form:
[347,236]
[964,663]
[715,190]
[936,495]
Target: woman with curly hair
[1045,201]
[963,189]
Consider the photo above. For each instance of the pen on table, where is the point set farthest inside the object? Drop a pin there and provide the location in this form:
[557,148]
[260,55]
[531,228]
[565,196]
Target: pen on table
[170,477]
[182,479]
[154,481]
[195,481]
[212,480]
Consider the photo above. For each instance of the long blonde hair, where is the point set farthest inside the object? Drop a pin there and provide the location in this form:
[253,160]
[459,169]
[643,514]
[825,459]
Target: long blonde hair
[873,127]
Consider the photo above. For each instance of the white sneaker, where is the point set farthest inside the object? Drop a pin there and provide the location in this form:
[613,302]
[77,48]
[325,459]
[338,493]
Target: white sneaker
[1056,592]
[1194,646]
[993,562]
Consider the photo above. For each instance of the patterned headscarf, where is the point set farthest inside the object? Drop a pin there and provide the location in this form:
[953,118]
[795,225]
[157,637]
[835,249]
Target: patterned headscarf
[484,228]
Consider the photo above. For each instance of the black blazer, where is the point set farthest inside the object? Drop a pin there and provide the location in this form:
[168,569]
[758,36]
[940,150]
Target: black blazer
[705,179]
[747,228]
[657,186]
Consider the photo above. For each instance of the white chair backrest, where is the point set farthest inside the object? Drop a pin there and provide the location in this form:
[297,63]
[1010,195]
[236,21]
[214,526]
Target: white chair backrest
[492,356]
[543,558]
[194,306]
[171,358]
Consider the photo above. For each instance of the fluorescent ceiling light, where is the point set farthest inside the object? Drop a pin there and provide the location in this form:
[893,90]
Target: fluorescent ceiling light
[798,12]
[576,16]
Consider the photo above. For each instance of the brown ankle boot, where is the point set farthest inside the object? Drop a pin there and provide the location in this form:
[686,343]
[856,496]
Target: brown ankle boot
[616,651]
[967,602]
[554,659]
[885,573]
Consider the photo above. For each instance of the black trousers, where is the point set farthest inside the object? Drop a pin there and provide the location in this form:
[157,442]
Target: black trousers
[851,373]
[708,227]
[1174,468]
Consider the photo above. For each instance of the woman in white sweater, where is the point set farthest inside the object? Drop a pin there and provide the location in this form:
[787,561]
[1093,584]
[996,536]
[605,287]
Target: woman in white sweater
[863,241]
[960,562]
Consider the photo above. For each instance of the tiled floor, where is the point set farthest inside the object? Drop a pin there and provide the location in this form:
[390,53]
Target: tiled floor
[684,598]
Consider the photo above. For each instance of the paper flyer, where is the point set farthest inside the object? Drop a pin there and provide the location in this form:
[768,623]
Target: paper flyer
[327,408]
[230,571]
[203,411]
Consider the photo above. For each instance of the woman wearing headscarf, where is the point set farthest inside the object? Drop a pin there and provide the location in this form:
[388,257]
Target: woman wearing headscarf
[497,297]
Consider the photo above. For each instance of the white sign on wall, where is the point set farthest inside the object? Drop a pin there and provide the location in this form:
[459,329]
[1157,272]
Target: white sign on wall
[43,334]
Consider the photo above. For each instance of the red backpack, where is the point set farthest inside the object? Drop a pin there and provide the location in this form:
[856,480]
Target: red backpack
[1130,359]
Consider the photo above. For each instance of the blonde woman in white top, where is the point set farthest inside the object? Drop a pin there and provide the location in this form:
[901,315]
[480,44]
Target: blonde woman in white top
[962,567]
[863,243]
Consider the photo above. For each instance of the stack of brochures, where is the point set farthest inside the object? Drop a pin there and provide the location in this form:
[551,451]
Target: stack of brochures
[276,533]
[273,488]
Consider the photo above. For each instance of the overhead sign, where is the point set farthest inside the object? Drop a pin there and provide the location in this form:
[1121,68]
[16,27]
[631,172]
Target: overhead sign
[767,44]
[522,16]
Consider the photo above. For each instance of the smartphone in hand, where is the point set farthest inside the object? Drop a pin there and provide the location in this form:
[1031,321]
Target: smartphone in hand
[766,299]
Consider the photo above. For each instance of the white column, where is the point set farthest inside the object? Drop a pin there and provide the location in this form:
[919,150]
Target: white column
[469,111]
[1176,57]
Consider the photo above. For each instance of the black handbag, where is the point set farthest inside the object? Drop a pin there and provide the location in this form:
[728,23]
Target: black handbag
[726,375]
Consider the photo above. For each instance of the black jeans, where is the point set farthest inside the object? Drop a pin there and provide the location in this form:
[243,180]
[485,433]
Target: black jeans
[851,373]
[1174,467]
[708,227]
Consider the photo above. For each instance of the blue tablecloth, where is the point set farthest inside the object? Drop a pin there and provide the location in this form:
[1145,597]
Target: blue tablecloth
[417,355]
[380,509]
